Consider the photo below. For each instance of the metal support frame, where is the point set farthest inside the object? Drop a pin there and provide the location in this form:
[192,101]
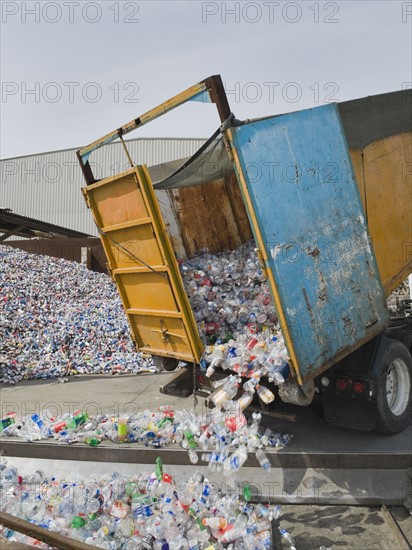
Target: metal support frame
[42,534]
[212,85]
[12,232]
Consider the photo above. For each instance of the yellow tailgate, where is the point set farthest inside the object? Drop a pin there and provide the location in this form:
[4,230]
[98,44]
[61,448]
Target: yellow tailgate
[143,265]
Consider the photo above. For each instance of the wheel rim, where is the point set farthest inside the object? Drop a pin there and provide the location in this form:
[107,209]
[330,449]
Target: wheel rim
[398,387]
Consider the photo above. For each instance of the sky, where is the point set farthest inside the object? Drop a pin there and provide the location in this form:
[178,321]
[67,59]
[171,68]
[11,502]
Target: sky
[72,71]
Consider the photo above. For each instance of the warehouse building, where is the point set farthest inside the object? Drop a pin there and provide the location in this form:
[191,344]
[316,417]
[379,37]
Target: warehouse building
[47,186]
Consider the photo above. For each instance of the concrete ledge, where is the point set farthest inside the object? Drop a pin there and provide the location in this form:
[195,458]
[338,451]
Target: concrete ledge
[138,454]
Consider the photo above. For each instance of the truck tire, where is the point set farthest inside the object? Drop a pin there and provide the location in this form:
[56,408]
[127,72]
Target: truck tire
[165,363]
[392,399]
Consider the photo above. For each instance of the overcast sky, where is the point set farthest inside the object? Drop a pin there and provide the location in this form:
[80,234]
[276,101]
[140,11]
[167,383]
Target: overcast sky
[74,70]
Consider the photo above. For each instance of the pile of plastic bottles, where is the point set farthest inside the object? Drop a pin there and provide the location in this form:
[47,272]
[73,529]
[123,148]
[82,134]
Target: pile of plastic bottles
[58,318]
[228,293]
[146,511]
[251,357]
[234,310]
[222,438]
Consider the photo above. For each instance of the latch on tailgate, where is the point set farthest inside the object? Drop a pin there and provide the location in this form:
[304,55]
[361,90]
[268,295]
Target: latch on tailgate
[165,332]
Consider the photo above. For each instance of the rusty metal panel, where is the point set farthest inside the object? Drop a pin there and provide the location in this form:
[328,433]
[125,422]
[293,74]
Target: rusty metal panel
[142,263]
[303,202]
[211,216]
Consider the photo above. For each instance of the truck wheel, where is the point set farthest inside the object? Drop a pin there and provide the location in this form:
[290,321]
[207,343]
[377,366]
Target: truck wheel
[165,363]
[392,400]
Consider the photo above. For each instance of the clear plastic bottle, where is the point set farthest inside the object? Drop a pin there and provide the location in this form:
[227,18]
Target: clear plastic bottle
[265,394]
[193,457]
[264,539]
[245,400]
[8,477]
[215,523]
[34,479]
[34,428]
[287,537]
[238,529]
[225,393]
[276,511]
[235,461]
[250,385]
[33,507]
[263,460]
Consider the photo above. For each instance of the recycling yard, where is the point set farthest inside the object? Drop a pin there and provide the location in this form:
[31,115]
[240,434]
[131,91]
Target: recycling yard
[206,327]
[286,421]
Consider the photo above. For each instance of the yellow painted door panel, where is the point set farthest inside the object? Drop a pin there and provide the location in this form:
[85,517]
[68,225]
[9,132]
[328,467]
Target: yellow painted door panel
[383,174]
[143,265]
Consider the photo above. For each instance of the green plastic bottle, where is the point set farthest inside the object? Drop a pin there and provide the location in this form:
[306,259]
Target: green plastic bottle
[76,420]
[78,522]
[159,468]
[92,441]
[189,436]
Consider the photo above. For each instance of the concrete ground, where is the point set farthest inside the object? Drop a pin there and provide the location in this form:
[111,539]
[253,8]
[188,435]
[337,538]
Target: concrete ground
[343,527]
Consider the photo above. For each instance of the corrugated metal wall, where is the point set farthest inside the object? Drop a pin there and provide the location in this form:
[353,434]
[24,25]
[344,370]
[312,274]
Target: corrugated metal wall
[47,186]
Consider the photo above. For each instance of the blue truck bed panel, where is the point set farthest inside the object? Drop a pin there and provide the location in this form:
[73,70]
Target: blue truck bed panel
[302,189]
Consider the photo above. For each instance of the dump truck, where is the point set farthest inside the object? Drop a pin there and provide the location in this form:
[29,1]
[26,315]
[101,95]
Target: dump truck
[326,194]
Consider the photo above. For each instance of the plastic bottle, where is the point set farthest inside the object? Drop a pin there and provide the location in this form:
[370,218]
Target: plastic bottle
[264,539]
[215,523]
[225,393]
[245,400]
[276,511]
[262,511]
[188,434]
[250,385]
[217,355]
[194,459]
[92,441]
[76,420]
[33,507]
[6,422]
[35,478]
[265,394]
[122,430]
[235,461]
[9,477]
[254,427]
[263,460]
[237,530]
[287,537]
[281,374]
[36,427]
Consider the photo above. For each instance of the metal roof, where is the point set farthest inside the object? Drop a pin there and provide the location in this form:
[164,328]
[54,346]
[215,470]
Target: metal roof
[12,224]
